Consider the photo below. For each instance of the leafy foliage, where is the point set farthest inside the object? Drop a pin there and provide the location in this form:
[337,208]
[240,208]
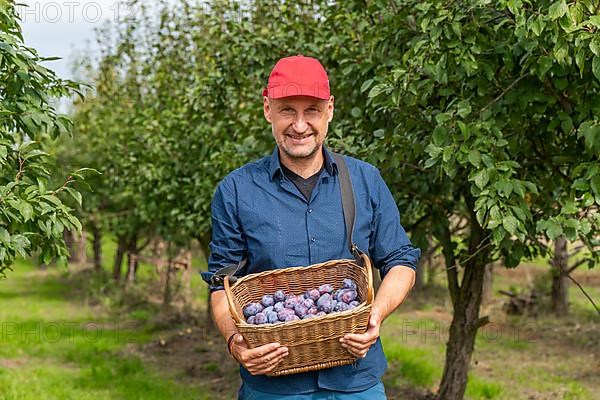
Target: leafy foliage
[33,215]
[481,115]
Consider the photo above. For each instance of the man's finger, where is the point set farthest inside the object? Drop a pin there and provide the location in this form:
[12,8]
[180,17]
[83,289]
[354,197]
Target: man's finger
[270,366]
[358,338]
[271,356]
[358,348]
[260,351]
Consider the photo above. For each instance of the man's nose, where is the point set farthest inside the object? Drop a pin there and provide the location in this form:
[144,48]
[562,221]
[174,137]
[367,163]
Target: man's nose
[300,124]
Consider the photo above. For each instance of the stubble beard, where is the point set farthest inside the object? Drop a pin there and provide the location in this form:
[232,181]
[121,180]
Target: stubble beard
[302,155]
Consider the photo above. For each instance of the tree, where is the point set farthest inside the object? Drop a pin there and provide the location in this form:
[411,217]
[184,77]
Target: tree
[33,210]
[487,112]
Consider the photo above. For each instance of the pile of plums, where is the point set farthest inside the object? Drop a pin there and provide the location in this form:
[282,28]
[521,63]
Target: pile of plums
[283,307]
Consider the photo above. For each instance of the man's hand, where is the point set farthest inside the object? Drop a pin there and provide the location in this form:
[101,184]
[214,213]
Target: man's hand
[259,360]
[359,344]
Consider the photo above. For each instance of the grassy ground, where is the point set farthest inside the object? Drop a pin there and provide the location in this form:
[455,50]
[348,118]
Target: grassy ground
[55,346]
[73,335]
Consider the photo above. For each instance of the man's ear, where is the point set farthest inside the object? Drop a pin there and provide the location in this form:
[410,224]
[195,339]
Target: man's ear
[267,109]
[330,109]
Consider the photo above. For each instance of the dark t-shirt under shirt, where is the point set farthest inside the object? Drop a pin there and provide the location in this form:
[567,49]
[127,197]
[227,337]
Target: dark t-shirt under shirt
[305,186]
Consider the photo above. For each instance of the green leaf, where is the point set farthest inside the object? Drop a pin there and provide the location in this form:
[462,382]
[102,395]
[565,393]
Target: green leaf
[4,236]
[510,224]
[498,234]
[595,20]
[553,230]
[558,9]
[595,184]
[569,208]
[463,108]
[75,194]
[481,178]
[379,133]
[590,132]
[595,46]
[442,117]
[596,67]
[20,244]
[474,158]
[25,209]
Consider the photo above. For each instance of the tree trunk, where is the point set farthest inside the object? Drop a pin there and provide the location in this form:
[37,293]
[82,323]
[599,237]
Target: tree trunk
[186,279]
[205,249]
[560,292]
[97,246]
[466,300]
[420,279]
[488,283]
[121,247]
[70,244]
[168,293]
[132,261]
[80,248]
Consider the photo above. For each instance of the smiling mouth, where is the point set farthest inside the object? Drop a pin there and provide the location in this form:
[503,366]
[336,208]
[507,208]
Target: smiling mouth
[300,137]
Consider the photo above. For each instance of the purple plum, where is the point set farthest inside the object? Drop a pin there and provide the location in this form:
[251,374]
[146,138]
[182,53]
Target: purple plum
[324,303]
[260,319]
[278,306]
[283,314]
[291,301]
[252,309]
[348,296]
[267,300]
[301,310]
[272,317]
[308,303]
[326,288]
[313,294]
[279,296]
[267,309]
[349,284]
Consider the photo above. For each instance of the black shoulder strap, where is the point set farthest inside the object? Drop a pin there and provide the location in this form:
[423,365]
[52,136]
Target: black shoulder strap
[348,204]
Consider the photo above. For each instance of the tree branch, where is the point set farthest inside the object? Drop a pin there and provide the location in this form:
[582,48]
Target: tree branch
[576,265]
[584,293]
[506,90]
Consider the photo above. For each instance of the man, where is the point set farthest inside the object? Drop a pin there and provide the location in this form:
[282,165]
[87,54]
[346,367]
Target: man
[285,210]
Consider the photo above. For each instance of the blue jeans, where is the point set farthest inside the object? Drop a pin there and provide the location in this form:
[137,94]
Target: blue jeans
[376,392]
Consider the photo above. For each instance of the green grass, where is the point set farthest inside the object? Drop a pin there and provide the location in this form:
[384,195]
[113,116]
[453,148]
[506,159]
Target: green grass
[55,347]
[482,389]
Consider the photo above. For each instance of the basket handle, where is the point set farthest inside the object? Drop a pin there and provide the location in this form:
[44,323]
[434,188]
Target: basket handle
[232,308]
[366,262]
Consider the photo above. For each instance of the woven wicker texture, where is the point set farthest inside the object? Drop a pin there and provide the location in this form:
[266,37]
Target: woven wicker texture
[313,343]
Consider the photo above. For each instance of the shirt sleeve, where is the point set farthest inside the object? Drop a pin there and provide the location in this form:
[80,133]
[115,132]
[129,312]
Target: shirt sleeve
[389,245]
[227,245]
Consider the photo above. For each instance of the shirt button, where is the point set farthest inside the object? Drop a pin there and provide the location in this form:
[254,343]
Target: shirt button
[310,210]
[312,239]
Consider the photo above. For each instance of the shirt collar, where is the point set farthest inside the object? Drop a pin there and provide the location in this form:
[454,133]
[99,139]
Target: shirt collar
[275,163]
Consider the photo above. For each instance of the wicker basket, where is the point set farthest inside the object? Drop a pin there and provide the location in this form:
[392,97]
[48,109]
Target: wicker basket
[313,343]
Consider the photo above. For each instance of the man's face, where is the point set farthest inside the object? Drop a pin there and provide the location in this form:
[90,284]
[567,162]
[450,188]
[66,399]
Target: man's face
[299,123]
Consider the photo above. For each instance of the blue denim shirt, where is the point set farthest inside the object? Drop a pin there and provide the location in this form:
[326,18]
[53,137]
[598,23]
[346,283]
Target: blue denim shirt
[259,214]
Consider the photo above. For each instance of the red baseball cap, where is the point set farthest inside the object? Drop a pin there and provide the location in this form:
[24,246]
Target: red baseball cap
[298,76]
